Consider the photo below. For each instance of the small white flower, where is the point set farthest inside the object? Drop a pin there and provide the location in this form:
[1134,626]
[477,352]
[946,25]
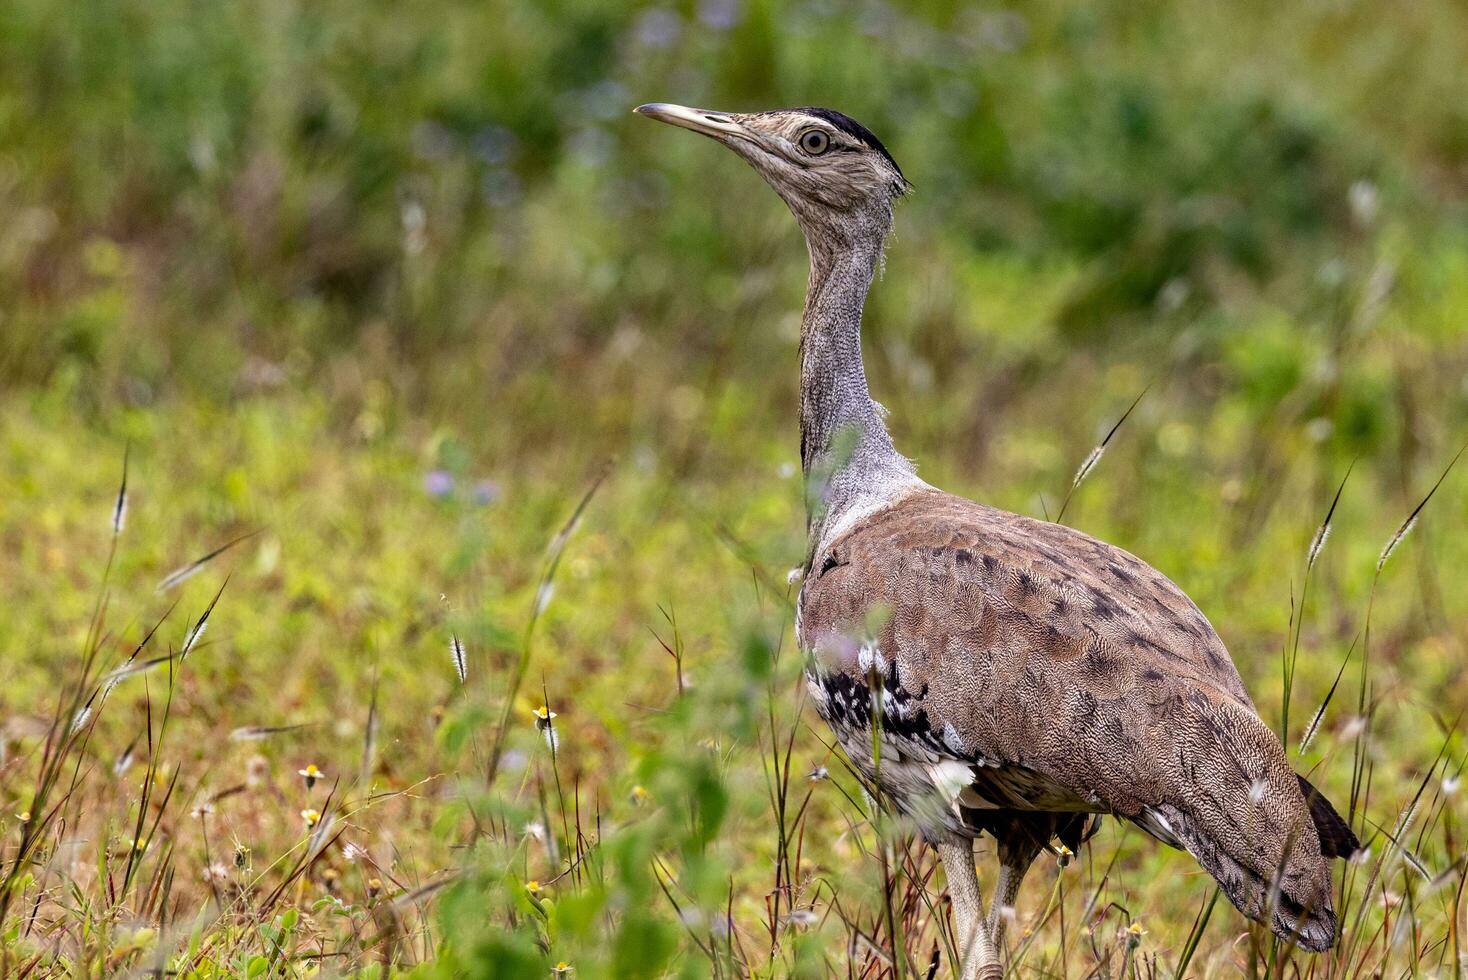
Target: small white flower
[818,773]
[803,918]
[545,723]
[793,576]
[535,830]
[1450,785]
[216,872]
[1364,201]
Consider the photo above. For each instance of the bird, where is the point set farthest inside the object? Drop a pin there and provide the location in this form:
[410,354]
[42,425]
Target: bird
[988,672]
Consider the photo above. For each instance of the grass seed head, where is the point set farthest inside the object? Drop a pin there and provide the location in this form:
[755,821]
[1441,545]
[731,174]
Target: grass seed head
[1316,544]
[1396,539]
[193,638]
[1088,464]
[119,513]
[461,662]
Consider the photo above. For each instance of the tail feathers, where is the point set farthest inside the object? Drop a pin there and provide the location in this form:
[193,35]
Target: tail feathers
[1336,838]
[1309,924]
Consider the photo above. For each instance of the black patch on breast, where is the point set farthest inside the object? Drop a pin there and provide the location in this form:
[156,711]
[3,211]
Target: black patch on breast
[848,707]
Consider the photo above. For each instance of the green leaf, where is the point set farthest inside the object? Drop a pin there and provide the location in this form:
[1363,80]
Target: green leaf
[643,946]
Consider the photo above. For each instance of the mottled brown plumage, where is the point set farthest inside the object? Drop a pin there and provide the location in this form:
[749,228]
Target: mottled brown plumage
[991,673]
[1072,677]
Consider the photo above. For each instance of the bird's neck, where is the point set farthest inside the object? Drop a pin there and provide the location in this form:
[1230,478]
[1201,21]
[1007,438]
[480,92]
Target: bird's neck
[846,452]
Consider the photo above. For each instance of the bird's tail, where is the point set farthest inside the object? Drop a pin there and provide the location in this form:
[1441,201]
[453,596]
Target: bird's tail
[1336,837]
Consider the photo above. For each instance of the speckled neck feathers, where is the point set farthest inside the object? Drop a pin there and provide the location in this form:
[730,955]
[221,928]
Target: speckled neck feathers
[849,461]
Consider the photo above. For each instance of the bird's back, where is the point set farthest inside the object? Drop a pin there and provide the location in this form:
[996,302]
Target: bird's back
[1065,674]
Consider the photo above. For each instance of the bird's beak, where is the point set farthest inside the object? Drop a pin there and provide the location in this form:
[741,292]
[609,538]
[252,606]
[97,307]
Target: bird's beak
[719,125]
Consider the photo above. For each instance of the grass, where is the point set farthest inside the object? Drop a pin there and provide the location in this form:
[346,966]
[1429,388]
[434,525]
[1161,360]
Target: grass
[673,827]
[456,408]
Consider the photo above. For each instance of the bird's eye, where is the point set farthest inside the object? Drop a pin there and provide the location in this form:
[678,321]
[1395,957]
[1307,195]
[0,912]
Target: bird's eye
[814,142]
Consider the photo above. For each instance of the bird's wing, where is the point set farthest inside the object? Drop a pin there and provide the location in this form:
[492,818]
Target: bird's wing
[1020,643]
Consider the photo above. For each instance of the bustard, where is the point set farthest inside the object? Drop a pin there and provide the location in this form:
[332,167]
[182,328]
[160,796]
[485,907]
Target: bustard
[1021,677]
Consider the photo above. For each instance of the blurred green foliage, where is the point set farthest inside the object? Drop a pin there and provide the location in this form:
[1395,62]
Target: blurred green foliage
[392,282]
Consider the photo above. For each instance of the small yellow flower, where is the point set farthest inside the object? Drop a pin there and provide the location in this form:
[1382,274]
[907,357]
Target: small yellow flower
[374,885]
[310,774]
[544,724]
[640,794]
[562,968]
[312,817]
[532,886]
[1136,929]
[1063,855]
[24,816]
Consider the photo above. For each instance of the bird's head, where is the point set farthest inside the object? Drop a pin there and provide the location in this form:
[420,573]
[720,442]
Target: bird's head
[835,175]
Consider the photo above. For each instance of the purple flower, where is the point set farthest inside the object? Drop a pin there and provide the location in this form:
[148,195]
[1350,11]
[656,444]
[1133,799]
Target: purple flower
[486,492]
[658,27]
[438,484]
[720,14]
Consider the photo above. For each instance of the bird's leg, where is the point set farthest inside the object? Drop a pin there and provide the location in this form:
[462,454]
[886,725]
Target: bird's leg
[976,952]
[1011,873]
